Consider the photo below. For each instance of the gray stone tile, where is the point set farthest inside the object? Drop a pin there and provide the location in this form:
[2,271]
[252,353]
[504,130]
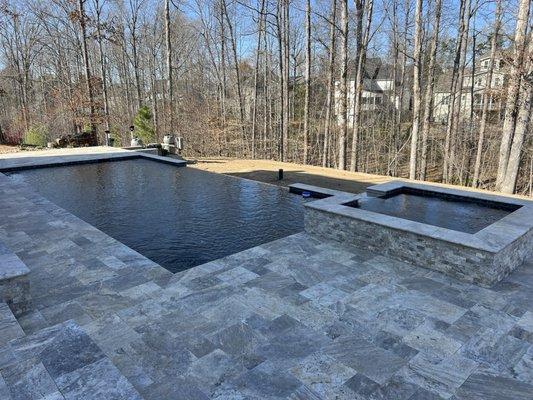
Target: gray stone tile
[267,381]
[29,380]
[487,387]
[4,390]
[322,373]
[429,340]
[304,393]
[237,340]
[423,394]
[99,380]
[110,333]
[70,349]
[373,362]
[237,276]
[294,345]
[213,369]
[396,388]
[440,376]
[70,310]
[362,386]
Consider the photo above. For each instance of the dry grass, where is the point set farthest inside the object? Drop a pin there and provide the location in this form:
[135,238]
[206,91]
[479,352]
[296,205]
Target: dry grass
[267,171]
[4,149]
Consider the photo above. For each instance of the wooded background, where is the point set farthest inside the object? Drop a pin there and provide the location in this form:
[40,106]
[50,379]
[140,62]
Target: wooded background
[256,79]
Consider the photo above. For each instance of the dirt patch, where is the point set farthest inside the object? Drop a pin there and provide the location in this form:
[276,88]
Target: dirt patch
[267,171]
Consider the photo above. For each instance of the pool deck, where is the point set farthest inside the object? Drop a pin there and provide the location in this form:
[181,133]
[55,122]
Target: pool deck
[297,318]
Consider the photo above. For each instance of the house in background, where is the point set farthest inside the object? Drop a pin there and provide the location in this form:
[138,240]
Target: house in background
[474,84]
[378,89]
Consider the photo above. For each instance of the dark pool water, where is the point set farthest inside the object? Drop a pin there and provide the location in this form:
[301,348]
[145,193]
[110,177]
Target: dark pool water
[177,217]
[456,213]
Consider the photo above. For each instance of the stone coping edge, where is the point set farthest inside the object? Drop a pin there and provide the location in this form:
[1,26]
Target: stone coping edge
[11,165]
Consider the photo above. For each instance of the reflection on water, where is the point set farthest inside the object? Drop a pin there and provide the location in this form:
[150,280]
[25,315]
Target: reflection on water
[459,215]
[178,217]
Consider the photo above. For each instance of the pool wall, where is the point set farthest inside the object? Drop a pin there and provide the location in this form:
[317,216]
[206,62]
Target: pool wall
[483,258]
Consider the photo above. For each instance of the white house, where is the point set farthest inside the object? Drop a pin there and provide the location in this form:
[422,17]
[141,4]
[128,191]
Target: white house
[378,89]
[472,84]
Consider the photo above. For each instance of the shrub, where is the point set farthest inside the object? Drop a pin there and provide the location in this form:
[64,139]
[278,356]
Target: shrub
[37,135]
[144,128]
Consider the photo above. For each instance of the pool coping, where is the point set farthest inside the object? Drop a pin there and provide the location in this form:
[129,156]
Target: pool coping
[13,164]
[492,238]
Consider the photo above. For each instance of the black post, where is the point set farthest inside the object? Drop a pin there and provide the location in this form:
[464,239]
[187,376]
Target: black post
[280,174]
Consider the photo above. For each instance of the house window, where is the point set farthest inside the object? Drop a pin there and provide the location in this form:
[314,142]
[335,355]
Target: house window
[497,81]
[486,64]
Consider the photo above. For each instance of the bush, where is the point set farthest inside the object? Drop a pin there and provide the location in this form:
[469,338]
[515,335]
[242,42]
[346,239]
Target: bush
[144,128]
[37,135]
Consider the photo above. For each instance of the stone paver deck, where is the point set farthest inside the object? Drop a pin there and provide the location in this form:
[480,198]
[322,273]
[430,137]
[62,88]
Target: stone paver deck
[297,318]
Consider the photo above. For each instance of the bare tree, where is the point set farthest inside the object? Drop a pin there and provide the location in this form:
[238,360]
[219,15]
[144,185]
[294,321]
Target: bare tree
[487,94]
[307,80]
[428,100]
[525,102]
[82,19]
[98,7]
[417,76]
[343,109]
[513,93]
[233,41]
[330,83]
[368,6]
[168,44]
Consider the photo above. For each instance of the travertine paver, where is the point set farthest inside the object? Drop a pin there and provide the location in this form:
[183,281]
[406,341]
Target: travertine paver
[297,318]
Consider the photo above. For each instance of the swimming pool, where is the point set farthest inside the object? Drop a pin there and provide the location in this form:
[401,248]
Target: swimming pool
[177,217]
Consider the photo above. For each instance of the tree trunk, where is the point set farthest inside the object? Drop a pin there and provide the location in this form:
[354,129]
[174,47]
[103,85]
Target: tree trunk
[522,124]
[238,76]
[453,91]
[307,79]
[168,45]
[416,89]
[327,124]
[456,121]
[511,109]
[361,60]
[343,110]
[136,60]
[103,74]
[285,110]
[487,94]
[428,102]
[89,86]
[256,76]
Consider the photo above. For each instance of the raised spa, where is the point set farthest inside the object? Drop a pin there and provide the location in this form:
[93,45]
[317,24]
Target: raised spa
[472,236]
[460,213]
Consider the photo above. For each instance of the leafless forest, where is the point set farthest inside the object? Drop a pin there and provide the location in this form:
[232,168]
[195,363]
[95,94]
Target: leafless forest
[289,80]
